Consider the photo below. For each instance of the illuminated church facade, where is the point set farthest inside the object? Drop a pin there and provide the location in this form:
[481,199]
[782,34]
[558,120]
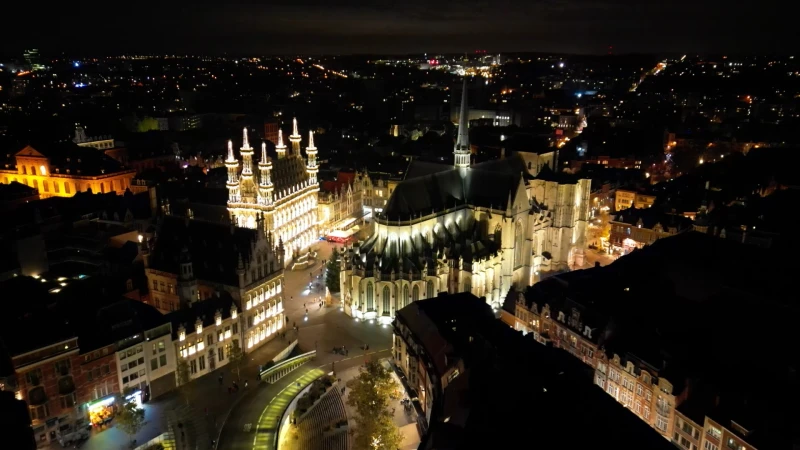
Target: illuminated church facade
[481,228]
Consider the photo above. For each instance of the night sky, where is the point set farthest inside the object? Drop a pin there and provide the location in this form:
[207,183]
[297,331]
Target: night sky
[409,26]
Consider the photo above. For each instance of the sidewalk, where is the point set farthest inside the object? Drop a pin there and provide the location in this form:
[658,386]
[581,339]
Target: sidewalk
[209,402]
[205,395]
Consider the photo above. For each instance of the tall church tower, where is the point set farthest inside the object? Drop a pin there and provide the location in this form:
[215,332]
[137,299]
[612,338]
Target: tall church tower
[311,151]
[461,150]
[265,186]
[233,182]
[295,138]
[248,186]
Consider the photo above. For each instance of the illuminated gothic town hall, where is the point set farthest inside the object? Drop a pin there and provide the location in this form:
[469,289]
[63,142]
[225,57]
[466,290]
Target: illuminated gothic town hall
[481,228]
[284,193]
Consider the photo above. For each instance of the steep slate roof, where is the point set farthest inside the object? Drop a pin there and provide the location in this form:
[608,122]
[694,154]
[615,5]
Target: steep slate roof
[487,184]
[204,310]
[213,247]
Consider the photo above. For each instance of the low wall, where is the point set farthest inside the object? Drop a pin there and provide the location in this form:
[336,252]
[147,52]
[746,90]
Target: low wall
[285,352]
[165,439]
[287,414]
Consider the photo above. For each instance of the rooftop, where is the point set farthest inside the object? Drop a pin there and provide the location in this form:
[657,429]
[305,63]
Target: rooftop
[503,370]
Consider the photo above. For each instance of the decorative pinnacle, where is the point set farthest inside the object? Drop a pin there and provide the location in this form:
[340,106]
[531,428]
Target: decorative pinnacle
[311,140]
[280,145]
[294,128]
[230,151]
[245,142]
[263,153]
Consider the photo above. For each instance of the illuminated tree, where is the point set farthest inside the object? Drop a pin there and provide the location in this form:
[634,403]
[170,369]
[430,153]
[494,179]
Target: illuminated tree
[147,124]
[370,393]
[332,275]
[130,416]
[235,358]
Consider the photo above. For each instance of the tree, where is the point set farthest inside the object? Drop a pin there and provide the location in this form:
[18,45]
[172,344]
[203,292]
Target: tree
[130,417]
[184,377]
[147,124]
[235,358]
[370,393]
[332,275]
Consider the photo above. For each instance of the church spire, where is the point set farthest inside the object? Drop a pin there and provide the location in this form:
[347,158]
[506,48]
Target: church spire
[462,150]
[280,148]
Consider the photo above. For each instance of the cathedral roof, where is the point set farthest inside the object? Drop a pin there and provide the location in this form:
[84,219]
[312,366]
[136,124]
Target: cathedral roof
[458,241]
[215,248]
[488,184]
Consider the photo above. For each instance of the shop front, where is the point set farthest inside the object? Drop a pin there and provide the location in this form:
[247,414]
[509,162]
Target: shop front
[102,411]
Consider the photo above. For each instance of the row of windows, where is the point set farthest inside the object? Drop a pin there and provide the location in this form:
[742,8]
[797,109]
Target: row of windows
[403,300]
[68,187]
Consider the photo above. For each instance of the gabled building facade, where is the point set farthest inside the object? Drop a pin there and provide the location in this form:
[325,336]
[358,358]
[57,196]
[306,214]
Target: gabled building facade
[190,261]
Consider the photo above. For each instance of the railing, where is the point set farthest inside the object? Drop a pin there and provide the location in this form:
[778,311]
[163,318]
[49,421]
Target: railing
[278,371]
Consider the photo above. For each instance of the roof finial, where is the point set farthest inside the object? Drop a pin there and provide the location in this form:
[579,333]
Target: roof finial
[264,152]
[245,143]
[311,140]
[294,127]
[230,150]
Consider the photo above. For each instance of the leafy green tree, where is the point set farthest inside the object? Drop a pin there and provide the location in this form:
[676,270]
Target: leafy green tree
[370,394]
[235,358]
[332,275]
[129,417]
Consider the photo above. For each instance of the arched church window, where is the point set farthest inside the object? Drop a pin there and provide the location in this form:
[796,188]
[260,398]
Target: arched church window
[415,294]
[518,244]
[405,297]
[370,299]
[430,289]
[386,301]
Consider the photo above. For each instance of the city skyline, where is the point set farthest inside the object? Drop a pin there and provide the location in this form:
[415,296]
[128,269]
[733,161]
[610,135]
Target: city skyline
[354,27]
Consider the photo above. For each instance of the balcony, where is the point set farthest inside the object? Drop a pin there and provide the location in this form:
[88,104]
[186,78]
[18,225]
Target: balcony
[66,385]
[37,396]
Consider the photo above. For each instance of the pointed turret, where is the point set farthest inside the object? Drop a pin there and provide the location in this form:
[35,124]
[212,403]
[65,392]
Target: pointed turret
[233,183]
[265,186]
[461,151]
[312,168]
[280,147]
[295,139]
[247,187]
